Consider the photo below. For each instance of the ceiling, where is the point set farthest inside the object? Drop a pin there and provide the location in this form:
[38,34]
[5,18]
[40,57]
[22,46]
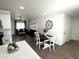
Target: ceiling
[37,8]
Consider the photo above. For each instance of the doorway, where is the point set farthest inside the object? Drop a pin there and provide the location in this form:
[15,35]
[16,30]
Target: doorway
[20,27]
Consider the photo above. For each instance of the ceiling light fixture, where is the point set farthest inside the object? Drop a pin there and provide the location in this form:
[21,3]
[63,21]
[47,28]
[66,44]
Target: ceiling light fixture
[45,13]
[21,7]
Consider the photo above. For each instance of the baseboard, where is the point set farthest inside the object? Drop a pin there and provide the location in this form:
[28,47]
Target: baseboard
[60,44]
[75,39]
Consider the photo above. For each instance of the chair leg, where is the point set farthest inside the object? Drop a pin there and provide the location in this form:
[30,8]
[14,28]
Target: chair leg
[53,46]
[39,46]
[50,48]
[36,43]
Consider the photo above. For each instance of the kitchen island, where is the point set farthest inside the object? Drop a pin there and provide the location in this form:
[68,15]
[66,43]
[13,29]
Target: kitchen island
[24,52]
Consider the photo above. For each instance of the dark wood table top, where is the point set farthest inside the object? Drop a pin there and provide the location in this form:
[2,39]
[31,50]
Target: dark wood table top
[43,37]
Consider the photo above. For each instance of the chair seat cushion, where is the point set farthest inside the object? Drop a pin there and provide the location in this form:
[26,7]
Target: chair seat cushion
[48,42]
[41,40]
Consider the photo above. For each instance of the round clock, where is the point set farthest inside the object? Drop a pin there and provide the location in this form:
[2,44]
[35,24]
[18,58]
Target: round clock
[49,24]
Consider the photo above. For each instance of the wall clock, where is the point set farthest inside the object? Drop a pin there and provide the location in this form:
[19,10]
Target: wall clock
[49,24]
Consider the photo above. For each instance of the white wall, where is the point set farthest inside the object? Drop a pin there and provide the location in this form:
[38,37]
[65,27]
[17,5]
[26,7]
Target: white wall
[28,24]
[13,26]
[75,28]
[58,26]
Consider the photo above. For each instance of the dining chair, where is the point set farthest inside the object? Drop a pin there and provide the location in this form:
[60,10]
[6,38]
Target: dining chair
[49,43]
[37,39]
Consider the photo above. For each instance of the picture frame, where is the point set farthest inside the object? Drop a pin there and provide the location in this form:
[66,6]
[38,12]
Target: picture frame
[49,24]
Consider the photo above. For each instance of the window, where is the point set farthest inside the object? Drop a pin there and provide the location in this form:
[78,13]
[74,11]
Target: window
[20,25]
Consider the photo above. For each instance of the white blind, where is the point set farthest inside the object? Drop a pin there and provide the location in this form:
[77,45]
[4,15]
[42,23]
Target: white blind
[20,25]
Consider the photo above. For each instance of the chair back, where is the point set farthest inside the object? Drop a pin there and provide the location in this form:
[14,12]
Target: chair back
[52,39]
[37,35]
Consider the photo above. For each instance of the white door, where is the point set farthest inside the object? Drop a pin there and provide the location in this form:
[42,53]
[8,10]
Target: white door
[67,29]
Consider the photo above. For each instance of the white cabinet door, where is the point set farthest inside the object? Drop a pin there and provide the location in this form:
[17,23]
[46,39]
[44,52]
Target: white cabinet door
[6,22]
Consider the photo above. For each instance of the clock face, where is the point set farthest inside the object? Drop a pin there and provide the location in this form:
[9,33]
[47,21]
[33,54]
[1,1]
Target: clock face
[49,24]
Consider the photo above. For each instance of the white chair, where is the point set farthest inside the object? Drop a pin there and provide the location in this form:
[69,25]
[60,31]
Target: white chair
[38,41]
[50,42]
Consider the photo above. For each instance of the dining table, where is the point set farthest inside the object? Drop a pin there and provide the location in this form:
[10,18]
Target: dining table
[44,37]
